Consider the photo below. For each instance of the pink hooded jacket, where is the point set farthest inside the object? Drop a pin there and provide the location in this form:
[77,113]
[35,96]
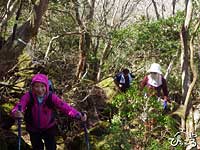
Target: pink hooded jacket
[43,117]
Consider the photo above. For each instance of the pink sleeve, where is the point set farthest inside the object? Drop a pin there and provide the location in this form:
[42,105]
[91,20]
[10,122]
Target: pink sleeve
[65,107]
[23,102]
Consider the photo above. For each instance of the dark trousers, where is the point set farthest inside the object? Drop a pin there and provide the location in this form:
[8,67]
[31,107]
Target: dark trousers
[37,139]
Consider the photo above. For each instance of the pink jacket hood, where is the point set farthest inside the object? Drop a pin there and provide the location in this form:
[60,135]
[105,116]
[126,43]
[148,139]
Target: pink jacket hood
[42,78]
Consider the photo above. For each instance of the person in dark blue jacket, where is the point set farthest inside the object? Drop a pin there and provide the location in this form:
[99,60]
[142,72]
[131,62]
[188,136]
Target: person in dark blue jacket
[123,80]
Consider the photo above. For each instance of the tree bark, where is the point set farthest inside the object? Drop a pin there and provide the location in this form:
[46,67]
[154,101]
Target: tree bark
[147,11]
[199,59]
[156,10]
[173,7]
[188,102]
[85,38]
[189,87]
[105,54]
[12,49]
[184,62]
[185,50]
[84,45]
[11,8]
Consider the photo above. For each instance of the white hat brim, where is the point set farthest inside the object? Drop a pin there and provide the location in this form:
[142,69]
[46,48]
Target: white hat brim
[156,71]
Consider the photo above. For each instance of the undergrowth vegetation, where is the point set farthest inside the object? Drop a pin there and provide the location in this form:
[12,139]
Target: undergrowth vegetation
[139,122]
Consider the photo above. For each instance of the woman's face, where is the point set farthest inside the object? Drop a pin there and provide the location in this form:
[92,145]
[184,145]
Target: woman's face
[154,75]
[39,88]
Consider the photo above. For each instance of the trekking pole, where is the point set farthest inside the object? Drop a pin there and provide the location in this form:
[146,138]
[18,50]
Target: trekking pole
[86,133]
[19,128]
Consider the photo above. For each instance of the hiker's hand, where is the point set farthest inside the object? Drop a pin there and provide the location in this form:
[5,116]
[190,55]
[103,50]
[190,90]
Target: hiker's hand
[83,117]
[120,85]
[167,99]
[18,114]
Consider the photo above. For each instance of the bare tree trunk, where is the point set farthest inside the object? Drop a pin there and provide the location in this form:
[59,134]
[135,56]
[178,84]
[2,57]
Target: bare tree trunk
[85,38]
[147,11]
[156,9]
[185,50]
[199,58]
[173,7]
[11,50]
[188,102]
[163,10]
[190,130]
[94,66]
[104,56]
[49,47]
[185,60]
[170,65]
[84,45]
[10,9]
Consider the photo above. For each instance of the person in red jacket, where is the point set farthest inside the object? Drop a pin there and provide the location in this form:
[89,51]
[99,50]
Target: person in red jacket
[156,83]
[43,123]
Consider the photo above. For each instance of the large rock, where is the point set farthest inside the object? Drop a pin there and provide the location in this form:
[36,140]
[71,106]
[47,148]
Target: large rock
[9,141]
[109,88]
[94,135]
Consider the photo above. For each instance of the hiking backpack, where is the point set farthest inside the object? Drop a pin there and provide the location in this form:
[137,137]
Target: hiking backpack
[59,117]
[28,112]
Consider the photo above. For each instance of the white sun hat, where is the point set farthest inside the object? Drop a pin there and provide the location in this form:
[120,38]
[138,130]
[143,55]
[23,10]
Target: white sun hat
[155,68]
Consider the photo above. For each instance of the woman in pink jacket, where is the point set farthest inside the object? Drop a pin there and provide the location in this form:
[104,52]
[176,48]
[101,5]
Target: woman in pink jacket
[42,125]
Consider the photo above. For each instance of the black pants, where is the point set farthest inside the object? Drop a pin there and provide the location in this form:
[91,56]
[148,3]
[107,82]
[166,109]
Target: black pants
[47,136]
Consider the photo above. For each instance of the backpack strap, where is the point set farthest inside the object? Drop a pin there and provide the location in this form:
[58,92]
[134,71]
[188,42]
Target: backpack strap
[51,88]
[28,111]
[50,105]
[31,98]
[49,101]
